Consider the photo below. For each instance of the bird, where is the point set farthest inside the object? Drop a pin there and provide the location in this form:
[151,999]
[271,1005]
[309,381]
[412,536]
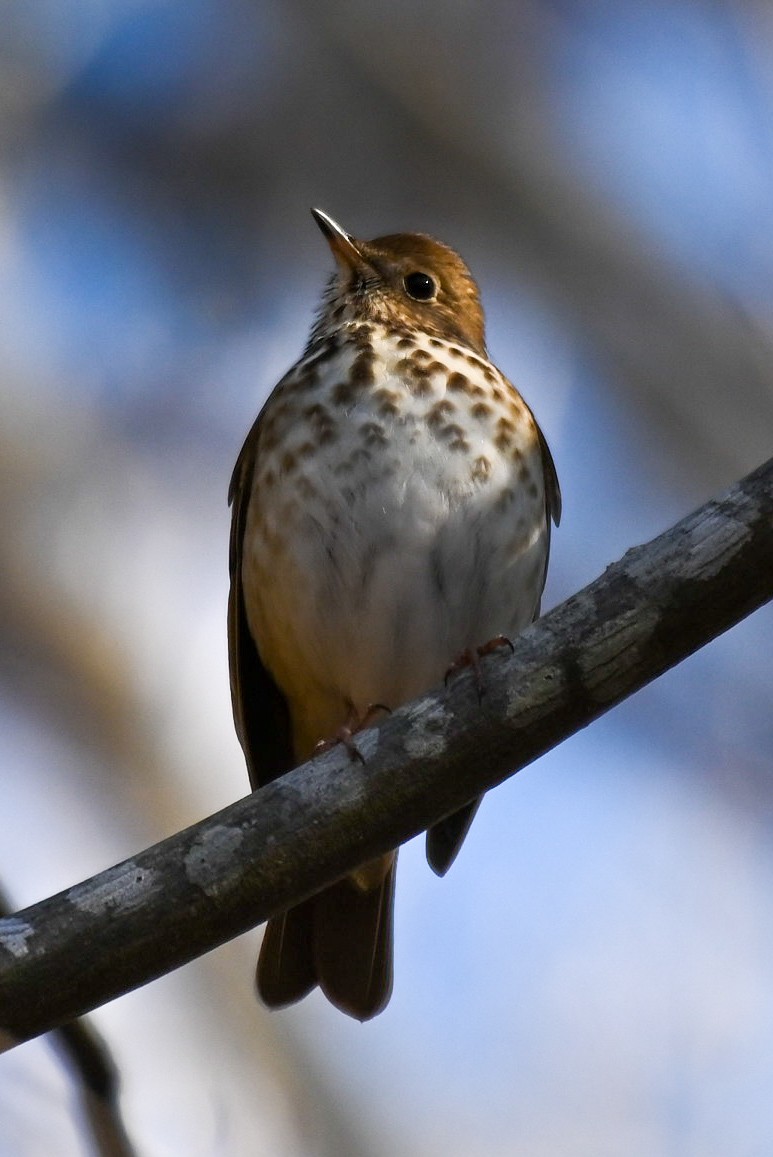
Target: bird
[391,511]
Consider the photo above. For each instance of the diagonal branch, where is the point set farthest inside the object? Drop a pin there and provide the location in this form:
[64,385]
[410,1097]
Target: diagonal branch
[177,900]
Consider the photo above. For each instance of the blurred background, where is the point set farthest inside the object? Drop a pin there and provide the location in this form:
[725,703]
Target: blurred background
[595,976]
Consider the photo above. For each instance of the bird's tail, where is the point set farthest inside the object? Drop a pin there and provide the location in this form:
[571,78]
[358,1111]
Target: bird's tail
[340,939]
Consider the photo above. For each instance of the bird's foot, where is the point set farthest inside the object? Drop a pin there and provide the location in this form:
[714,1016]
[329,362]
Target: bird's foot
[471,657]
[354,723]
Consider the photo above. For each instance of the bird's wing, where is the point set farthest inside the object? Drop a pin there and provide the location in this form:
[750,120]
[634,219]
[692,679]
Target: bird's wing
[552,489]
[260,709]
[552,505]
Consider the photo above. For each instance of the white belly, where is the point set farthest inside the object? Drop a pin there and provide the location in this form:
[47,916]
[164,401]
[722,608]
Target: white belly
[371,562]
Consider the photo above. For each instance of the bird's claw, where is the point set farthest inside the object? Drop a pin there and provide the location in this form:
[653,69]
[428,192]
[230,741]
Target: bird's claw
[471,657]
[345,734]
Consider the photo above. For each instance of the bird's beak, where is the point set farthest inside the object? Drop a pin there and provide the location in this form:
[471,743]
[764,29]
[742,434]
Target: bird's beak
[344,246]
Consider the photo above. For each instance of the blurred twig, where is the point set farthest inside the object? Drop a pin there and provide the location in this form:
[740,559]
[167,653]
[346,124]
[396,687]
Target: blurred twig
[93,1066]
[96,1076]
[660,603]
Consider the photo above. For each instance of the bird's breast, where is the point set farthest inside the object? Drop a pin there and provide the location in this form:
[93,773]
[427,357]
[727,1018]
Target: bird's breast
[397,515]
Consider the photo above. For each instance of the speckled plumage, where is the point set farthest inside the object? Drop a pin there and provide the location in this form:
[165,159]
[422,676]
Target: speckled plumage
[392,509]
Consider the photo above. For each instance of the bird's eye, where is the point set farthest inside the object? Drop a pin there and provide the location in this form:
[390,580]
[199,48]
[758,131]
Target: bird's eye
[419,286]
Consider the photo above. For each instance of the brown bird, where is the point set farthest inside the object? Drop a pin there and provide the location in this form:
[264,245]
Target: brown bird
[391,510]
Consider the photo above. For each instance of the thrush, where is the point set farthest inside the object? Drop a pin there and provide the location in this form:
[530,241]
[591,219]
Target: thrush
[391,510]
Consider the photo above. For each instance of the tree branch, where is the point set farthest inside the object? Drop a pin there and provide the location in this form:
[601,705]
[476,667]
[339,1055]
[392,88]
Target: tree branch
[177,900]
